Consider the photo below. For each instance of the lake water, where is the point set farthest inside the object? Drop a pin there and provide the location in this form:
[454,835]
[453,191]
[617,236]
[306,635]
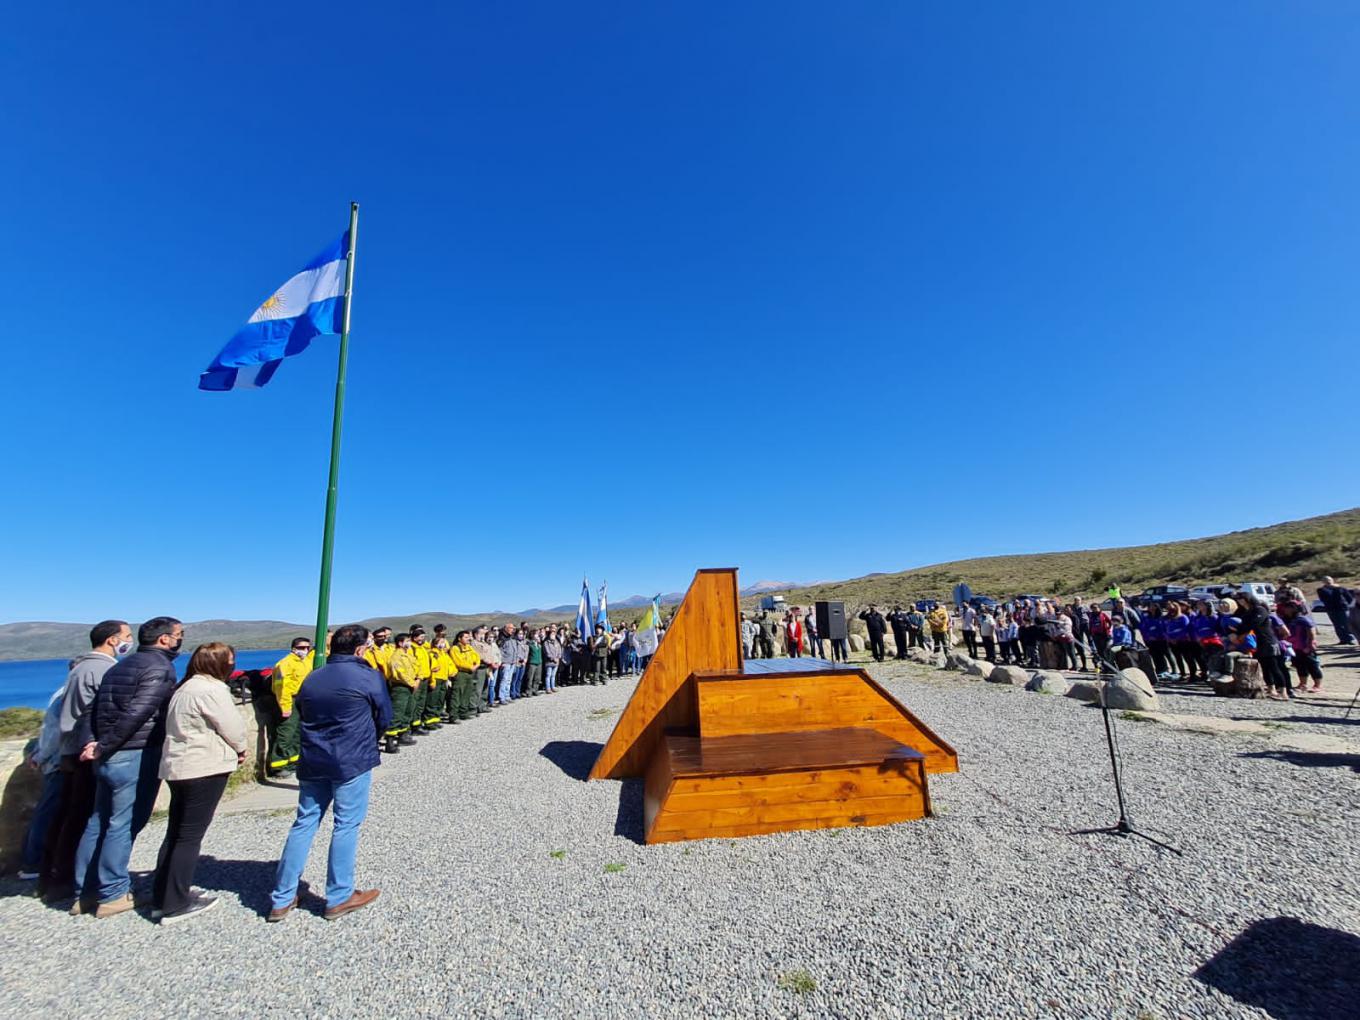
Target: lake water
[30,683]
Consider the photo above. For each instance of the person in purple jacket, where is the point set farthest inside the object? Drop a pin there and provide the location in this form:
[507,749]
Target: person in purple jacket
[1185,651]
[1153,629]
[1207,632]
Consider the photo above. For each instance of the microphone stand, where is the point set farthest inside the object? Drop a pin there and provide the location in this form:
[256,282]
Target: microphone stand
[1124,827]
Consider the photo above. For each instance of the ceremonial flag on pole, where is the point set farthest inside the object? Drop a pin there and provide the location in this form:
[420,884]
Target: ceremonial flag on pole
[646,639]
[583,614]
[308,305]
[603,618]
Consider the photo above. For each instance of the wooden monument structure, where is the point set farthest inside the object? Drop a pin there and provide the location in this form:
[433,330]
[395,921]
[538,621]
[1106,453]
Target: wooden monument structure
[739,747]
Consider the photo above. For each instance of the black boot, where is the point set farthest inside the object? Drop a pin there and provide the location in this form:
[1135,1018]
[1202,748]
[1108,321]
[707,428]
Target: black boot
[391,744]
[406,740]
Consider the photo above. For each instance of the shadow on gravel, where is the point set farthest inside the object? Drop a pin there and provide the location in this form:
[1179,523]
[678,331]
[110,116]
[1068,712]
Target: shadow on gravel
[574,757]
[1311,759]
[628,822]
[251,881]
[1289,968]
[1326,720]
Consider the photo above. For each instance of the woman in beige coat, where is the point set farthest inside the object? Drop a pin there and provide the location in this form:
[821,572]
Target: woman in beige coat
[205,740]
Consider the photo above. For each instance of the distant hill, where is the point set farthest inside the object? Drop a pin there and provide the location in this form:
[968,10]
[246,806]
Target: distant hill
[1305,551]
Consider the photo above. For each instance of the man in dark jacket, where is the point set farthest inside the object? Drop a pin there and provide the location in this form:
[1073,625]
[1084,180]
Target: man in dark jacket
[900,623]
[1337,601]
[345,711]
[877,627]
[123,734]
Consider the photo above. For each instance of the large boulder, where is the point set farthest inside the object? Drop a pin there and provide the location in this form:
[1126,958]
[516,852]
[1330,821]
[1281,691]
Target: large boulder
[1012,675]
[1247,680]
[1086,690]
[980,668]
[856,643]
[1131,691]
[920,655]
[957,660]
[1051,655]
[1044,681]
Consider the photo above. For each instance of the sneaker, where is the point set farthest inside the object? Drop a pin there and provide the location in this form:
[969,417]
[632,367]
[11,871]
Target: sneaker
[196,906]
[83,905]
[28,876]
[117,905]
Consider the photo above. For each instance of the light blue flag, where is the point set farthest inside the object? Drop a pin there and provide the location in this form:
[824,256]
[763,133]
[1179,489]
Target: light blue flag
[583,614]
[603,618]
[308,305]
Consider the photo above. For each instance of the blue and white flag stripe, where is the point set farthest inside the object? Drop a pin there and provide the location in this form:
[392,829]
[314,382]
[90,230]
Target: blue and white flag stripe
[583,626]
[308,305]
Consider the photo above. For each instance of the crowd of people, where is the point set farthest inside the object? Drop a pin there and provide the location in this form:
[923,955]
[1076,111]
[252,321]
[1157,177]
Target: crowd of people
[123,722]
[1183,640]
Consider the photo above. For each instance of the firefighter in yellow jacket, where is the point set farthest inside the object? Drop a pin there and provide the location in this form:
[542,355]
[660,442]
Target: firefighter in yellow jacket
[403,678]
[285,737]
[464,690]
[379,653]
[420,648]
[441,668]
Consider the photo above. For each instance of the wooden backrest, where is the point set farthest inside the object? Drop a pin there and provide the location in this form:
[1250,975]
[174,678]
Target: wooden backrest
[703,636]
[791,702]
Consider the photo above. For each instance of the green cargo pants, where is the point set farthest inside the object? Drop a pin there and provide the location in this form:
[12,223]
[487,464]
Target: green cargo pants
[285,742]
[401,709]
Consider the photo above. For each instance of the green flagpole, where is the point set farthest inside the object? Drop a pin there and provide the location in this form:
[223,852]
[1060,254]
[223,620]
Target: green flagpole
[323,601]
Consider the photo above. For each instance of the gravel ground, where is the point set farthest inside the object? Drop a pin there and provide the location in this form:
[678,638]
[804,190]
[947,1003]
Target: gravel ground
[990,909]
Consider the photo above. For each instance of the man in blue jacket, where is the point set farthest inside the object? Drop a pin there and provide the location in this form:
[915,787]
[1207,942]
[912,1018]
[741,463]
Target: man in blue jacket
[122,735]
[345,710]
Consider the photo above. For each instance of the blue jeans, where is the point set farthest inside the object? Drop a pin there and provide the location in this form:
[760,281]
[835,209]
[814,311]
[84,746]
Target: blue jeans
[350,802]
[49,800]
[550,676]
[126,784]
[504,675]
[517,682]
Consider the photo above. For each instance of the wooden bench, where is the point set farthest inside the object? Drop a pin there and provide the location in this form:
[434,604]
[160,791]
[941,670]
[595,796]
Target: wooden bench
[749,784]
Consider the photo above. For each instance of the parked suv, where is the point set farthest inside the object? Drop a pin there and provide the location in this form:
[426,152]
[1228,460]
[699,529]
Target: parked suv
[1211,592]
[1160,593]
[1262,590]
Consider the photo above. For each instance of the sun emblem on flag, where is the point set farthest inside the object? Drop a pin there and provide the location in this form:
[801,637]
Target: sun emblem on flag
[272,304]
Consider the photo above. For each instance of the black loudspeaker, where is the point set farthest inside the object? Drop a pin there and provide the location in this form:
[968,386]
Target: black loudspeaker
[831,621]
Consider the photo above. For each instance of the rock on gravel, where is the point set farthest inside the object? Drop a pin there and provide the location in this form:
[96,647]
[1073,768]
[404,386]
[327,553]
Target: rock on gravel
[1013,675]
[1046,681]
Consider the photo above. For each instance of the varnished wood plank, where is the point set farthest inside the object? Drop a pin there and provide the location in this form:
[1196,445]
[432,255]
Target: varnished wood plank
[703,636]
[771,752]
[769,828]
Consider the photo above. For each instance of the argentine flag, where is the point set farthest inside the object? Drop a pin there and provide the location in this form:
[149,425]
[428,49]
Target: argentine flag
[603,618]
[308,305]
[583,626]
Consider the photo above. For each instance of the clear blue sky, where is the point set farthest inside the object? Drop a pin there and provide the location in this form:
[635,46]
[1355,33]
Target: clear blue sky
[814,290]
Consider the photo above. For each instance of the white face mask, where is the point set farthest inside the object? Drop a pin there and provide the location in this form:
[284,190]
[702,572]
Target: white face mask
[302,653]
[123,648]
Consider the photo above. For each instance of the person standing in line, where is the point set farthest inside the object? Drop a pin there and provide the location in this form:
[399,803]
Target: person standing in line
[1099,623]
[793,633]
[599,647]
[748,637]
[876,626]
[289,672]
[1303,638]
[123,735]
[435,693]
[986,628]
[446,697]
[109,641]
[552,659]
[43,755]
[1153,629]
[487,673]
[938,620]
[765,635]
[1337,602]
[464,689]
[815,638]
[533,664]
[505,682]
[916,625]
[344,707]
[1256,620]
[968,623]
[420,697]
[897,620]
[205,742]
[403,679]
[378,652]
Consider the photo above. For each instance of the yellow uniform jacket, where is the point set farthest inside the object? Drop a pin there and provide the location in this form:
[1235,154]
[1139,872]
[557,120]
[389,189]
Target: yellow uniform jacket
[289,672]
[403,668]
